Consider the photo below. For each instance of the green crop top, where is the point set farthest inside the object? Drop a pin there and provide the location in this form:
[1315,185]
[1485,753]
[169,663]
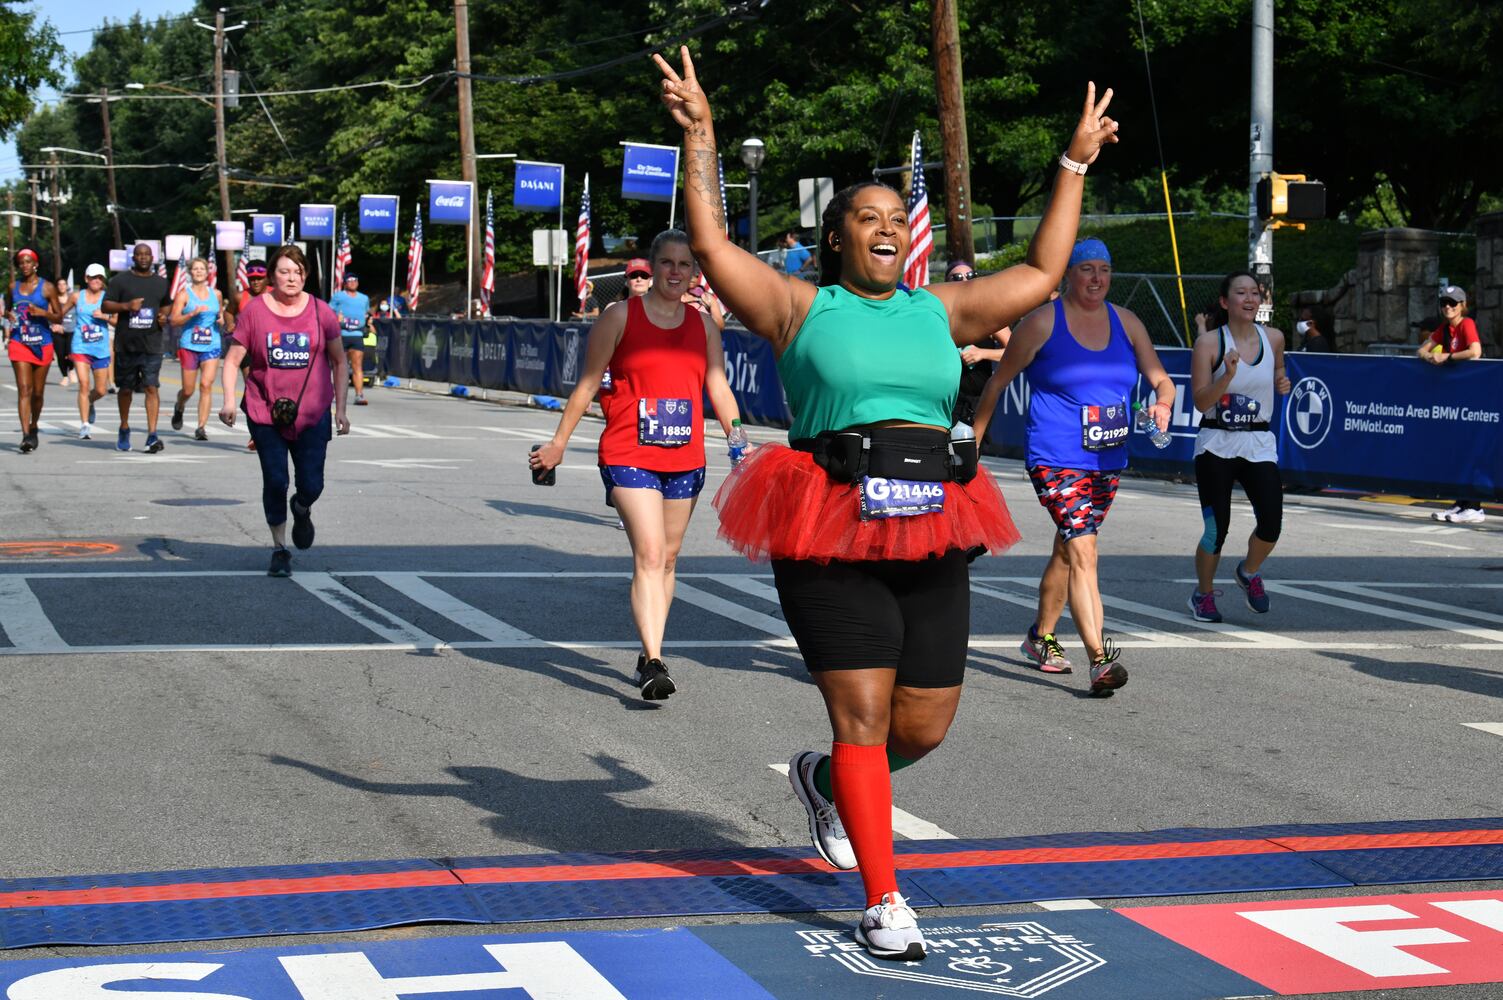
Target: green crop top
[859,361]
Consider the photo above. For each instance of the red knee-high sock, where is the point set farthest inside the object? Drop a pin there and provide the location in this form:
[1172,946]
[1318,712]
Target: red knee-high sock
[863,795]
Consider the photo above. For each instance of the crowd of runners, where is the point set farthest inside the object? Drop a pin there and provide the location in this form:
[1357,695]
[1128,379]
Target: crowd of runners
[870,516]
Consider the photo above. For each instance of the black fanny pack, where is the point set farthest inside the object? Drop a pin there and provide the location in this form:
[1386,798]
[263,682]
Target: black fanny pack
[1215,423]
[913,453]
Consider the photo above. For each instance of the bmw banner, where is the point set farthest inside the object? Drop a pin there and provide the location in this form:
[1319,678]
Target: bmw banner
[267,230]
[538,186]
[378,213]
[450,202]
[649,173]
[315,222]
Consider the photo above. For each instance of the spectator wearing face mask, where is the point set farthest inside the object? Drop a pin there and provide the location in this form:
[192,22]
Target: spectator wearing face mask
[1313,339]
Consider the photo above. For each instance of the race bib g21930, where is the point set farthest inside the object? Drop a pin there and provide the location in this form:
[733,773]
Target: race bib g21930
[288,350]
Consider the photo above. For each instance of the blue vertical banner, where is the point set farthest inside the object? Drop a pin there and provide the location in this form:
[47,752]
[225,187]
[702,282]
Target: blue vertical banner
[315,222]
[450,203]
[538,186]
[268,230]
[378,213]
[649,172]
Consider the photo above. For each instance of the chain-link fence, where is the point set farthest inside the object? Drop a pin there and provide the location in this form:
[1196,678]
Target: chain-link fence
[1155,300]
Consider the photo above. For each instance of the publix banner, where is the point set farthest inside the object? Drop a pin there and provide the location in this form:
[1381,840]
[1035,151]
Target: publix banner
[538,186]
[649,173]
[315,222]
[1377,423]
[378,213]
[449,202]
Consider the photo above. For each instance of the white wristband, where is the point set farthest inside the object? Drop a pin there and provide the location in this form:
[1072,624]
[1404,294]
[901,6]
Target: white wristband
[1071,165]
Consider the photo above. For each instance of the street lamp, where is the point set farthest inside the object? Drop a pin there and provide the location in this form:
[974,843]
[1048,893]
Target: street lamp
[753,152]
[167,86]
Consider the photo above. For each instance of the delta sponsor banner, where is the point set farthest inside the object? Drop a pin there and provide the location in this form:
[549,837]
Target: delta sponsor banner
[648,172]
[621,965]
[315,222]
[267,230]
[378,213]
[1394,424]
[1297,946]
[538,186]
[450,203]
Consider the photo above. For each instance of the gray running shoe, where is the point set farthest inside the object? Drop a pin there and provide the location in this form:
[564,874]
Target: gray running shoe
[1045,653]
[825,828]
[1253,590]
[890,930]
[1107,675]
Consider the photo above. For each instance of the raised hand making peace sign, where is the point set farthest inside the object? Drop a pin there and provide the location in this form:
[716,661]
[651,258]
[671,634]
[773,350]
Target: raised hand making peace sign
[1095,129]
[682,95]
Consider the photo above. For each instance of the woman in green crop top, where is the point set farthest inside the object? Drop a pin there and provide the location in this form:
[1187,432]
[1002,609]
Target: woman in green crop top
[872,573]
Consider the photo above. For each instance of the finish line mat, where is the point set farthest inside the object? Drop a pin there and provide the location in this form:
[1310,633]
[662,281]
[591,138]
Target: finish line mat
[1149,953]
[325,898]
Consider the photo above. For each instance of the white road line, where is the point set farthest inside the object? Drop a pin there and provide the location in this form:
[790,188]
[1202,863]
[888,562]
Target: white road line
[1374,583]
[690,594]
[467,616]
[753,585]
[1060,905]
[534,435]
[1431,622]
[1267,640]
[1496,728]
[377,619]
[1117,625]
[25,623]
[1360,590]
[1441,545]
[904,824]
[1408,529]
[391,430]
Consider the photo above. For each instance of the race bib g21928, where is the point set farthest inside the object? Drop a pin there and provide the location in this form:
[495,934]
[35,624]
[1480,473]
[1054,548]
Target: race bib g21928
[288,350]
[667,423]
[1103,427]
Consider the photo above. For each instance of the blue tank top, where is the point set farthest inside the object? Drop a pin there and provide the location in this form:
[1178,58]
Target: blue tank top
[201,332]
[1078,415]
[91,337]
[31,331]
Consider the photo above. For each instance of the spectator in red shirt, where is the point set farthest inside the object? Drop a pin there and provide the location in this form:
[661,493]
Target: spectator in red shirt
[1455,339]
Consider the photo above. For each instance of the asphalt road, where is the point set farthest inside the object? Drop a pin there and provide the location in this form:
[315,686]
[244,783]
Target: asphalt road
[448,672]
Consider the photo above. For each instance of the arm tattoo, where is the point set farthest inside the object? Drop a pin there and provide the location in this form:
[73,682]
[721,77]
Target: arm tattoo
[704,179]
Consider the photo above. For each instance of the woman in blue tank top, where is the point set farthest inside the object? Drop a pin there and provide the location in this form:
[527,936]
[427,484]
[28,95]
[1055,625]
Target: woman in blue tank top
[1083,357]
[91,346]
[197,311]
[868,520]
[34,307]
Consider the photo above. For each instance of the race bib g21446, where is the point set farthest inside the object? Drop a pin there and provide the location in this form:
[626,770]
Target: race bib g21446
[881,498]
[288,350]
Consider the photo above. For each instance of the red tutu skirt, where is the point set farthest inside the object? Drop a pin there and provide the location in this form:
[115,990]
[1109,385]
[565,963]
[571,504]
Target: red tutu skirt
[777,504]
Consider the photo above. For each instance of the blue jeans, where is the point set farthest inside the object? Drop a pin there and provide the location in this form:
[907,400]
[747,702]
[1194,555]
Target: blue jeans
[307,451]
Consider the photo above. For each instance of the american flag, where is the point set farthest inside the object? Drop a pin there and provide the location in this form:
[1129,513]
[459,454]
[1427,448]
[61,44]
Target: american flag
[582,247]
[162,266]
[242,280]
[488,268]
[415,262]
[342,256]
[916,267]
[180,279]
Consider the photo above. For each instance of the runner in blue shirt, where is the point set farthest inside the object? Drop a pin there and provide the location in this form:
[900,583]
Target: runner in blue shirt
[198,311]
[91,347]
[353,307]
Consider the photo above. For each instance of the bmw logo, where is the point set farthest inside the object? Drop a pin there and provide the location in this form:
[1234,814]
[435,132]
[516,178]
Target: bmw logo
[1310,413]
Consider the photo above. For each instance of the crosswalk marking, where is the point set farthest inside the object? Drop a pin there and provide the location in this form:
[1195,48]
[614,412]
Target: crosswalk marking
[691,594]
[1398,614]
[415,588]
[751,585]
[1117,625]
[1359,590]
[1496,728]
[25,622]
[378,620]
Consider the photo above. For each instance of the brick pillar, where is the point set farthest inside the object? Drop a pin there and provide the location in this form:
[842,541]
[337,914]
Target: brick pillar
[1398,273]
[1485,296]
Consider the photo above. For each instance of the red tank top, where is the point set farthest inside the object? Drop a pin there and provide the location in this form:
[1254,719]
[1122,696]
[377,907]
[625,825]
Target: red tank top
[656,373]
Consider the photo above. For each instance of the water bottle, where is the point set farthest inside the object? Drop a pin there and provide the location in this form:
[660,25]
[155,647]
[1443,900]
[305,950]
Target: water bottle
[964,453]
[736,442]
[544,477]
[1143,421]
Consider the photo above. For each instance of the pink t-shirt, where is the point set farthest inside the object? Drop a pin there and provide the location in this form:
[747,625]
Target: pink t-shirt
[280,350]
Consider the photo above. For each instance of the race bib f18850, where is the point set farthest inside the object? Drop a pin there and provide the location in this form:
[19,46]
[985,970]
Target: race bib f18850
[288,350]
[667,423]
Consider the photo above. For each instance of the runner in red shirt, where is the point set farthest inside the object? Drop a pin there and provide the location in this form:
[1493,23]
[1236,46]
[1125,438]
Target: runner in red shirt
[664,356]
[1456,339]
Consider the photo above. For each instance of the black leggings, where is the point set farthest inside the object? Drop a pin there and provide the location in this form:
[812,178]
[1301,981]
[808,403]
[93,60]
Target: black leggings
[1214,478]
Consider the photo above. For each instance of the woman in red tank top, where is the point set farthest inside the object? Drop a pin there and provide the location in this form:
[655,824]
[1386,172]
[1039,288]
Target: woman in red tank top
[664,358]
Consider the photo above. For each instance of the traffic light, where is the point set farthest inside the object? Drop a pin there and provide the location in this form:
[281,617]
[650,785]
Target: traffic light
[1286,199]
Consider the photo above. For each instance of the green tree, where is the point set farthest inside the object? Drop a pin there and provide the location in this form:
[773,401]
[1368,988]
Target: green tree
[30,57]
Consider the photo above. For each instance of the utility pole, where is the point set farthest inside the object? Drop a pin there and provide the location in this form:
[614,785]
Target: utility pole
[228,268]
[1260,159]
[10,240]
[467,135]
[35,183]
[57,239]
[109,165]
[945,22]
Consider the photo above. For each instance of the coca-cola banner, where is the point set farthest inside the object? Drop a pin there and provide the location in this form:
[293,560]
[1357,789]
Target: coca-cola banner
[450,202]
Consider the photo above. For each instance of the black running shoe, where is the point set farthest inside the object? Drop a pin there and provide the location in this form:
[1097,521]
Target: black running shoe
[1107,675]
[653,679]
[302,525]
[177,418]
[153,444]
[28,442]
[200,435]
[281,563]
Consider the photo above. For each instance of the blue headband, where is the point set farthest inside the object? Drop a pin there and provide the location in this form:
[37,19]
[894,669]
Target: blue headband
[1091,249]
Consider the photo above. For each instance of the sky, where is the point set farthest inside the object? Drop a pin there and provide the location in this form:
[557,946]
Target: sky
[75,21]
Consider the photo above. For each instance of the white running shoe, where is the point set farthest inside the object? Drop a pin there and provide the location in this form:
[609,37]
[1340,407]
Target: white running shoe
[825,828]
[1445,515]
[1470,515]
[890,930]
[84,432]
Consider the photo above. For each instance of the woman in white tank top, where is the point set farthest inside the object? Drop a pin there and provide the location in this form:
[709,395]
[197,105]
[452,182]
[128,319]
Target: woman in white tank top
[1235,371]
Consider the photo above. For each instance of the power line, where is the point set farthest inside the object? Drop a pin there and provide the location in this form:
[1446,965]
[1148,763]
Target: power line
[390,84]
